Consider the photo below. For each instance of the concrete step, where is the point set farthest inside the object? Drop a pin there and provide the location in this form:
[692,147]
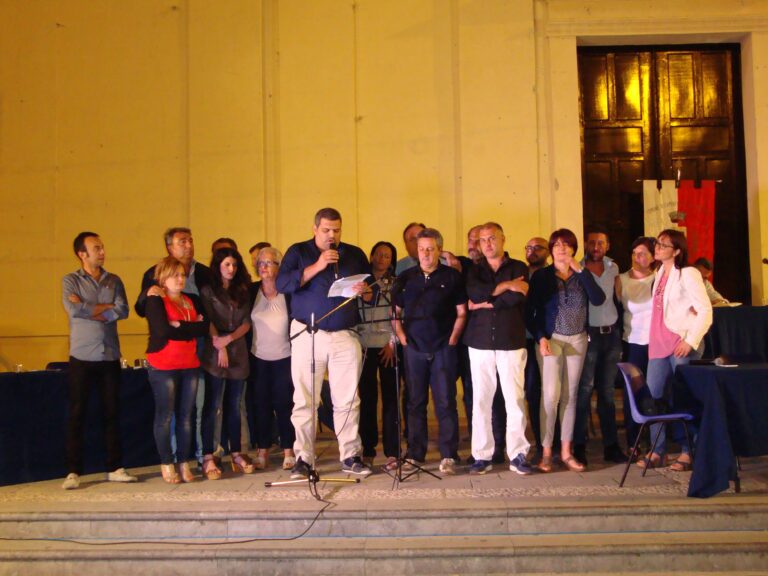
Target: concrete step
[723,552]
[415,519]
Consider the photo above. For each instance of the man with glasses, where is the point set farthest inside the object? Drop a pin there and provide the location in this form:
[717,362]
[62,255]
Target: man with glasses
[537,256]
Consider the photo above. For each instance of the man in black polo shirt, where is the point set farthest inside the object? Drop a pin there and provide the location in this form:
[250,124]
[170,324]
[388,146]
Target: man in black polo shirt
[431,313]
[497,287]
[307,272]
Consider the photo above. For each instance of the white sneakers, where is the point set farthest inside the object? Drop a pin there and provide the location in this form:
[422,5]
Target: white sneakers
[72,480]
[120,475]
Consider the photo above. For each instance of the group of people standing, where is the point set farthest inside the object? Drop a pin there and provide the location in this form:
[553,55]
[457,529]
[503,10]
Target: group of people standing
[516,332]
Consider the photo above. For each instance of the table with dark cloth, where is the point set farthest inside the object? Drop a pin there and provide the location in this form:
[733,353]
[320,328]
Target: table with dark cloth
[33,425]
[740,331]
[734,421]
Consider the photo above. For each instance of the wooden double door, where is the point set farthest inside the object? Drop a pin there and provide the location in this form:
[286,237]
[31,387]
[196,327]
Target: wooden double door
[647,112]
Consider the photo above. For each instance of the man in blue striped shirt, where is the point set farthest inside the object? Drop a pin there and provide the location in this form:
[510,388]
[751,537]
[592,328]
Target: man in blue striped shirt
[94,300]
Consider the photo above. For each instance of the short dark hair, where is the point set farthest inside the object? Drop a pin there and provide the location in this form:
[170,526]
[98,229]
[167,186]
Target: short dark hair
[224,240]
[171,232]
[411,225]
[679,242]
[327,213]
[646,241]
[702,262]
[566,236]
[79,242]
[434,234]
[596,229]
[259,246]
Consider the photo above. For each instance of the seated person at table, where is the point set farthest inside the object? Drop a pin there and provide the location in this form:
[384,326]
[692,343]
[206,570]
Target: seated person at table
[94,300]
[704,266]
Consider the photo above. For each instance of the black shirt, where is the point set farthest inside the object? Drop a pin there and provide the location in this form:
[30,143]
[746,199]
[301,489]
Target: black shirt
[313,296]
[429,305]
[503,326]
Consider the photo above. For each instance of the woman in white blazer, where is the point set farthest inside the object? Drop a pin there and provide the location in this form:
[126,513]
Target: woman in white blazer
[681,316]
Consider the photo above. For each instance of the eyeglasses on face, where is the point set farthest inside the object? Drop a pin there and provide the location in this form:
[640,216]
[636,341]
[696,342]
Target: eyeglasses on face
[535,248]
[661,244]
[266,263]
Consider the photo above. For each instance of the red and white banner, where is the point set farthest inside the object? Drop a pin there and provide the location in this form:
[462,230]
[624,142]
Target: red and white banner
[686,208]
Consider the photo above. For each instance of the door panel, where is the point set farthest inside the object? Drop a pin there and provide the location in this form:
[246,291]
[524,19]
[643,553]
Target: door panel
[647,113]
[617,140]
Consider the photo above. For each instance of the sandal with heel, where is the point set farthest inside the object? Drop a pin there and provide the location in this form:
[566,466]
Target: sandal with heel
[241,463]
[211,471]
[168,471]
[653,460]
[185,473]
[682,465]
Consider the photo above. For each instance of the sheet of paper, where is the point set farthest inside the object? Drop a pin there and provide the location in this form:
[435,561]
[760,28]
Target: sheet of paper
[343,286]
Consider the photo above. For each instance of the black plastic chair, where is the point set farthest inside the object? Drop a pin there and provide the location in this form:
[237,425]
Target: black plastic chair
[635,382]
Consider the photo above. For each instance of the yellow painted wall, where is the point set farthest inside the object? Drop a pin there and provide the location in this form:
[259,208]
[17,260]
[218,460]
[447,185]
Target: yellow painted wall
[243,117]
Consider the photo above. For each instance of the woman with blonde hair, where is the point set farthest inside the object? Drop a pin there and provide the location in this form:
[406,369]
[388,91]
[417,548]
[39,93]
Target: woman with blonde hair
[174,321]
[271,380]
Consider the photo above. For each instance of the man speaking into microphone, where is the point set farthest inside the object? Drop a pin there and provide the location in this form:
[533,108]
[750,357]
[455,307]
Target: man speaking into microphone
[307,272]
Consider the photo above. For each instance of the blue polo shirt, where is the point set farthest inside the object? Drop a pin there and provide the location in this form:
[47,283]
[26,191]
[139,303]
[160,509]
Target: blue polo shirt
[313,296]
[429,305]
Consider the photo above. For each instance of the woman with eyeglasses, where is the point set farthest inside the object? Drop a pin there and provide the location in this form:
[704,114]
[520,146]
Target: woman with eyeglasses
[634,291]
[272,392]
[557,309]
[680,317]
[174,322]
[225,357]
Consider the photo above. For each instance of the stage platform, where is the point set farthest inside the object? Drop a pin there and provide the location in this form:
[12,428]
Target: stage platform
[498,523]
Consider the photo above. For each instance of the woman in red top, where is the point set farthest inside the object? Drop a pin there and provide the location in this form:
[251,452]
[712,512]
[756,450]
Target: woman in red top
[174,323]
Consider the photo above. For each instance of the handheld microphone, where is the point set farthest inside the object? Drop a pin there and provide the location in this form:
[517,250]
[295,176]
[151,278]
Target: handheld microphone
[335,246]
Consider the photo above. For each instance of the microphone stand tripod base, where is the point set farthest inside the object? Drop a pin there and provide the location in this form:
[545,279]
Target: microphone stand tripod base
[312,479]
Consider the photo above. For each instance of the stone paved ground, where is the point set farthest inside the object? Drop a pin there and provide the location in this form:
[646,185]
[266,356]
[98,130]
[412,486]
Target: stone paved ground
[600,481]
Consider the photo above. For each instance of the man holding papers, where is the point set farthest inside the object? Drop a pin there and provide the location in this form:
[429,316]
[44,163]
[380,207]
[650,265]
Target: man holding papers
[307,272]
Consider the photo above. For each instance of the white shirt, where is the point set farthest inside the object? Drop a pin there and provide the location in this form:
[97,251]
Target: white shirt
[637,299]
[270,328]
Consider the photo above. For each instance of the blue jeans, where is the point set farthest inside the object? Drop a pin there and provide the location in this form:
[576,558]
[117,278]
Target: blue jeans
[174,392]
[660,371]
[217,391]
[599,372]
[435,370]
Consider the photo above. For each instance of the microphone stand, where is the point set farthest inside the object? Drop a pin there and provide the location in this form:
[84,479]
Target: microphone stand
[398,475]
[313,477]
